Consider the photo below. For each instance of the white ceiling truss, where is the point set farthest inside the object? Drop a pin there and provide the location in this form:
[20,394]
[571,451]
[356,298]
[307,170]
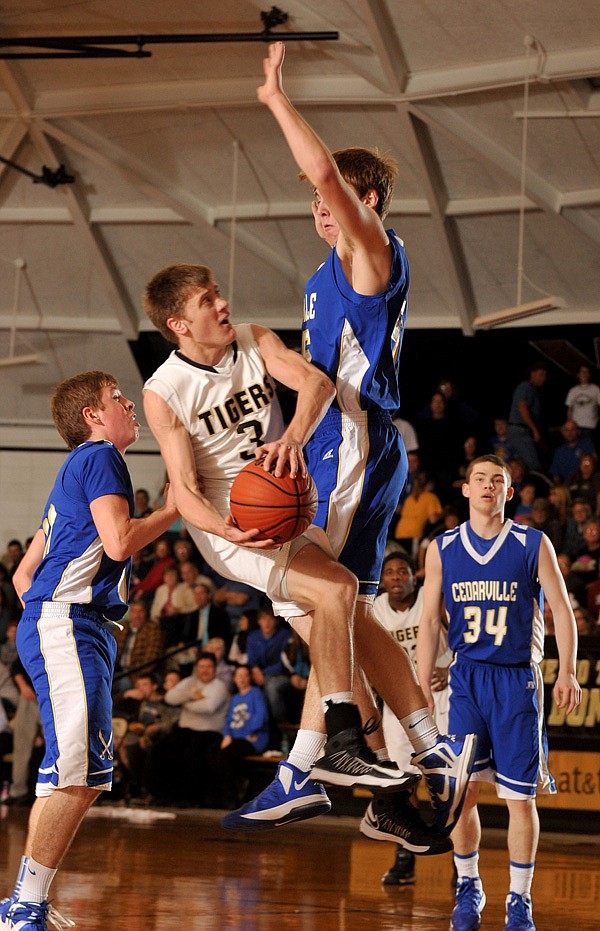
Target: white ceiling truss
[151,146]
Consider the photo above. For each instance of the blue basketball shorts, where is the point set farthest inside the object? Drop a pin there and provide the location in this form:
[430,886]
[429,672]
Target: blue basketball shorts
[69,654]
[504,706]
[359,465]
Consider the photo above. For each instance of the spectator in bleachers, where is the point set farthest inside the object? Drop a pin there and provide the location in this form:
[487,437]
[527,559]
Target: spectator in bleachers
[498,443]
[265,647]
[418,512]
[565,461]
[449,520]
[408,434]
[172,601]
[583,402]
[587,564]
[141,503]
[585,623]
[524,433]
[560,511]
[440,442]
[526,495]
[138,642]
[216,646]
[13,556]
[238,651]
[207,619]
[235,598]
[593,601]
[586,482]
[576,589]
[458,410]
[161,558]
[246,732]
[574,540]
[178,766]
[27,732]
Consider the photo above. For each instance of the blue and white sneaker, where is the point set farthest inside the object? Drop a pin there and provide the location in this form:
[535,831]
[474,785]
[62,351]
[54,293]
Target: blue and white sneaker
[25,916]
[53,917]
[446,767]
[519,916]
[470,899]
[292,796]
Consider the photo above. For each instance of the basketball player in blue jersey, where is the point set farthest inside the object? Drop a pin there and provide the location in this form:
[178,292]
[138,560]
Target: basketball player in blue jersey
[354,314]
[73,582]
[493,575]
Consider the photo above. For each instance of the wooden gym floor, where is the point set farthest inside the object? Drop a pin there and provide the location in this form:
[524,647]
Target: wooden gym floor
[138,870]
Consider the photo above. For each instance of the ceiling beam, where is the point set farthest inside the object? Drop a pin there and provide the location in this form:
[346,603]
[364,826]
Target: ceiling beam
[55,323]
[386,45]
[91,238]
[418,137]
[442,118]
[318,89]
[102,151]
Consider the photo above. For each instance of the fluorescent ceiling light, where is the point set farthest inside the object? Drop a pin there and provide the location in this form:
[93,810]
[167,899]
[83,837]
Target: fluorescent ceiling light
[487,321]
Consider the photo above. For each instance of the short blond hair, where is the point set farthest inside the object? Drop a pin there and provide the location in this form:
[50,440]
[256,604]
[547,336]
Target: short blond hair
[169,290]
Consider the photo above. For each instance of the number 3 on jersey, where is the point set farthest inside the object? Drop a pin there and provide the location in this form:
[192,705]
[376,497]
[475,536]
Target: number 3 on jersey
[495,623]
[254,432]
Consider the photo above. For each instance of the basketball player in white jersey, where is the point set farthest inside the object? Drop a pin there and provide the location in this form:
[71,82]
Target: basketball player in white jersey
[212,407]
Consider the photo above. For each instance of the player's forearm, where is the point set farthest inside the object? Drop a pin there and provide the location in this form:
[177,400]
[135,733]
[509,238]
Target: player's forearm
[310,152]
[428,637]
[198,510]
[565,633]
[314,398]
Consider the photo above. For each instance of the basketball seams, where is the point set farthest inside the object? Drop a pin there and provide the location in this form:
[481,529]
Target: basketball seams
[287,514]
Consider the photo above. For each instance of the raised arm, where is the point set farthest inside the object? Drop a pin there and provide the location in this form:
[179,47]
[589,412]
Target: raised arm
[363,233]
[430,624]
[315,394]
[567,691]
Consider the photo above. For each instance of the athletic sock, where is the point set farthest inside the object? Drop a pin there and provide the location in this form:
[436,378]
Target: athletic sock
[308,747]
[420,729]
[36,882]
[521,877]
[467,865]
[382,755]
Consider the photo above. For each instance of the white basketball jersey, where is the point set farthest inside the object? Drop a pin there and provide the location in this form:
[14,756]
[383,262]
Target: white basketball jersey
[228,410]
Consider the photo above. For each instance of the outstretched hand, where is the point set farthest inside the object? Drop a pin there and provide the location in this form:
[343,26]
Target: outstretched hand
[272,68]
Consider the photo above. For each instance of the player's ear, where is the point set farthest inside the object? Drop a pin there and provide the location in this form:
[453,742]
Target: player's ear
[466,490]
[176,325]
[509,492]
[91,416]
[371,198]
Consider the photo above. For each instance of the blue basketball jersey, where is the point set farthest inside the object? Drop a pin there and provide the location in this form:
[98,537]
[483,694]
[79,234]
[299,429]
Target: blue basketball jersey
[354,338]
[74,568]
[492,594]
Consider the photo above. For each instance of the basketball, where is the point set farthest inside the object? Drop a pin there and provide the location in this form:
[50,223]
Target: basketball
[281,508]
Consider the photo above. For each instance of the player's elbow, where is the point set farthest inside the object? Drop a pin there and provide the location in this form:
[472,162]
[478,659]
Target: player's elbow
[117,549]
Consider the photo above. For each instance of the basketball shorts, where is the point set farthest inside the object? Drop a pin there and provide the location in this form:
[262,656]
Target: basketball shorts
[359,465]
[504,706]
[69,654]
[264,570]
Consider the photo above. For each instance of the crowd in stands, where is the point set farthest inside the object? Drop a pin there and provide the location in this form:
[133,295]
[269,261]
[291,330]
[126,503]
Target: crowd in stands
[207,676]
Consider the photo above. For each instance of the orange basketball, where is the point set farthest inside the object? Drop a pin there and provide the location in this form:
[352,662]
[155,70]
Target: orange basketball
[282,508]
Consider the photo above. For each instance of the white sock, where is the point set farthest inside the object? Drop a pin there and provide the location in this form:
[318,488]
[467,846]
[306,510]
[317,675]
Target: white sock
[36,882]
[382,755]
[336,698]
[521,877]
[308,747]
[420,729]
[467,865]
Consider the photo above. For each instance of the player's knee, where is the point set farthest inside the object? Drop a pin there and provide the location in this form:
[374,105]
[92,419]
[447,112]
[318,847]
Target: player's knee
[342,586]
